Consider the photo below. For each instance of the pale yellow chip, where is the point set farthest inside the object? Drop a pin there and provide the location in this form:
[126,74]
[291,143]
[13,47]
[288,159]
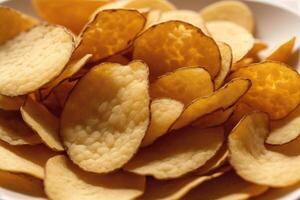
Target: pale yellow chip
[33,58]
[106,116]
[275,166]
[108,33]
[226,187]
[184,85]
[177,153]
[234,11]
[43,122]
[13,23]
[222,98]
[164,112]
[11,103]
[284,52]
[238,38]
[180,45]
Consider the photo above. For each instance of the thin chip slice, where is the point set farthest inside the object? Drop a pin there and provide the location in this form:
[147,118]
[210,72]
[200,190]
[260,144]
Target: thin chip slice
[109,32]
[227,187]
[11,103]
[102,130]
[164,112]
[177,153]
[222,98]
[256,49]
[275,166]
[25,64]
[180,45]
[284,52]
[245,62]
[13,23]
[184,85]
[238,38]
[274,88]
[64,181]
[44,123]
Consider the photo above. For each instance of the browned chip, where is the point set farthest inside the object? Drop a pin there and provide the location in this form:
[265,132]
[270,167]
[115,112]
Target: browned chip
[11,103]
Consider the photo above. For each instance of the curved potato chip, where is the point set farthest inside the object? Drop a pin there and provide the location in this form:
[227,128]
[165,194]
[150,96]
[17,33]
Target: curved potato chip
[222,98]
[284,52]
[238,38]
[177,153]
[184,85]
[180,45]
[226,187]
[25,64]
[73,14]
[164,113]
[109,32]
[274,88]
[105,133]
[13,23]
[245,62]
[11,103]
[44,123]
[256,49]
[276,166]
[64,180]
[234,11]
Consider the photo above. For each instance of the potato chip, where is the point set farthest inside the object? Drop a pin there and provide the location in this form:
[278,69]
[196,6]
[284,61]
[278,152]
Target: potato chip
[177,153]
[274,88]
[256,49]
[63,90]
[180,45]
[245,62]
[222,98]
[64,180]
[153,17]
[52,104]
[238,38]
[234,11]
[25,64]
[13,23]
[11,103]
[184,84]
[226,187]
[284,52]
[105,133]
[164,112]
[275,166]
[44,123]
[109,32]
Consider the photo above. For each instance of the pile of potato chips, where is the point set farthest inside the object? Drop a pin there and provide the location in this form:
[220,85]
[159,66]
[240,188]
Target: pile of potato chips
[137,99]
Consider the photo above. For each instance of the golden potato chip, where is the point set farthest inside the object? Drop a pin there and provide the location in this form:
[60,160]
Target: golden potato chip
[25,63]
[274,88]
[109,32]
[13,23]
[275,166]
[177,153]
[180,45]
[14,131]
[238,38]
[234,11]
[44,123]
[226,187]
[73,14]
[256,49]
[64,180]
[164,113]
[106,116]
[284,52]
[11,103]
[245,62]
[63,90]
[184,85]
[118,59]
[222,98]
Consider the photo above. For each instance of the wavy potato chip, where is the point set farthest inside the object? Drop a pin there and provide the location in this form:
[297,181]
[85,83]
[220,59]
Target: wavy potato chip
[105,133]
[180,45]
[284,52]
[274,88]
[11,103]
[164,113]
[177,153]
[238,38]
[184,85]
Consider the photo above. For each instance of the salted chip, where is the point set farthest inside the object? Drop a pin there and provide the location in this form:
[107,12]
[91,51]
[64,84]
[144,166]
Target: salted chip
[284,52]
[238,38]
[274,88]
[25,64]
[184,85]
[180,45]
[226,187]
[234,11]
[108,33]
[13,23]
[223,98]
[11,103]
[177,153]
[102,130]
